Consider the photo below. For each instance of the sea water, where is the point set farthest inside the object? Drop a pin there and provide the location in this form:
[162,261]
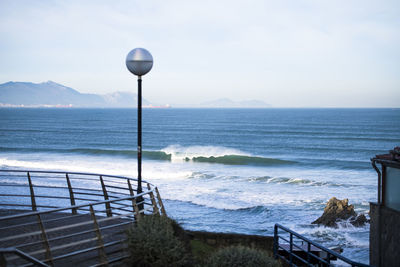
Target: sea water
[221,170]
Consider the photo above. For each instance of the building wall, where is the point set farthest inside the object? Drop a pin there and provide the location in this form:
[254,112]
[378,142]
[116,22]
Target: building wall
[384,236]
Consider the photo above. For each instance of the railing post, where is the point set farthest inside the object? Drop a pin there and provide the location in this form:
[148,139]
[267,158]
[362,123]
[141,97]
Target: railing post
[100,243]
[160,202]
[71,194]
[46,244]
[291,249]
[276,241]
[308,251]
[153,200]
[107,204]
[3,261]
[32,193]
[328,259]
[134,205]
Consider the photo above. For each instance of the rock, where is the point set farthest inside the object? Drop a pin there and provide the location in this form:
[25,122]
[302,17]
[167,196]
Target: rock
[334,211]
[359,221]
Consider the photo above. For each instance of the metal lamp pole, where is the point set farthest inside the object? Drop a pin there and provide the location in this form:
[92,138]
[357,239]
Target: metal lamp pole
[139,62]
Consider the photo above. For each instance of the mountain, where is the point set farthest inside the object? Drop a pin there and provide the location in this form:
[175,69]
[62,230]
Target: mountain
[54,94]
[227,103]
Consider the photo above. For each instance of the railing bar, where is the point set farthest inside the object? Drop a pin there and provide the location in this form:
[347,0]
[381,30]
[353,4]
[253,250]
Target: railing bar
[14,185]
[117,204]
[24,256]
[80,252]
[36,196]
[105,219]
[16,205]
[281,237]
[78,206]
[46,186]
[74,173]
[87,189]
[50,186]
[116,187]
[46,221]
[121,204]
[89,194]
[88,199]
[123,209]
[25,205]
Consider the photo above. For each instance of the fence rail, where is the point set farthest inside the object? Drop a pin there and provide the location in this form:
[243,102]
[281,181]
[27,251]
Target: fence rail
[297,250]
[62,218]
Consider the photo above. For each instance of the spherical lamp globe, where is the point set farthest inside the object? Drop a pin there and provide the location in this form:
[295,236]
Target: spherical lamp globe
[139,61]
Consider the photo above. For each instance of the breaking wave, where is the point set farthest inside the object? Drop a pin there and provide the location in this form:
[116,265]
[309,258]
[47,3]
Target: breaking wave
[198,154]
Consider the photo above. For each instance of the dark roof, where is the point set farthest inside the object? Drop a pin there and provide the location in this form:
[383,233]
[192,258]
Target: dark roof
[393,157]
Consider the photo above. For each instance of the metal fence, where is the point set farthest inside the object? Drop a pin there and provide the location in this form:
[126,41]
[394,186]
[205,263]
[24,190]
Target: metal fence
[61,219]
[297,250]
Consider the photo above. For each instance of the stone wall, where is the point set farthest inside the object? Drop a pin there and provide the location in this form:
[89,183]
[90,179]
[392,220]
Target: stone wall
[384,236]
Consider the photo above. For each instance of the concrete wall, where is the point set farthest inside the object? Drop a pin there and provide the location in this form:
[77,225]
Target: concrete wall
[384,245]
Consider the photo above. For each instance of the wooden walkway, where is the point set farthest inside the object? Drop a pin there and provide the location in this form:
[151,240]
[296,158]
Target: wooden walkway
[48,225]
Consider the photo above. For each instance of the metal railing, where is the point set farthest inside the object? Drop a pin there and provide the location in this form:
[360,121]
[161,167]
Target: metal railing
[297,250]
[21,254]
[63,218]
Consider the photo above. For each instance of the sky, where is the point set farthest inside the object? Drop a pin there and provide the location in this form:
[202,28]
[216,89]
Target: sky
[295,53]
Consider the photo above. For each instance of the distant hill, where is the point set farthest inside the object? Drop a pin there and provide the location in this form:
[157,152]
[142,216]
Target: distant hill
[227,103]
[54,94]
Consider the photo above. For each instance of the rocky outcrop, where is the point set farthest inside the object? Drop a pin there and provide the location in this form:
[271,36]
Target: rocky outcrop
[339,210]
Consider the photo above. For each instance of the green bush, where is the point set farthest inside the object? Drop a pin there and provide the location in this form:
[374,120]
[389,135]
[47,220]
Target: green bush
[156,241]
[240,256]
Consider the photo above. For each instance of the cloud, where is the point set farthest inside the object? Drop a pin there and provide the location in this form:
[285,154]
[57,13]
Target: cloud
[287,53]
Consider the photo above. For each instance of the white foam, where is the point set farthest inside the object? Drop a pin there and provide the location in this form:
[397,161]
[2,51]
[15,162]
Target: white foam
[180,153]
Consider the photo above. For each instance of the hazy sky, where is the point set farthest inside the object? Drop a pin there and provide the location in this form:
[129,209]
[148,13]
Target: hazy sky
[286,53]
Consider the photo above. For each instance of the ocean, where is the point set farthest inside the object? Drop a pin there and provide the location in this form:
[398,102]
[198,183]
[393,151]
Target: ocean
[221,170]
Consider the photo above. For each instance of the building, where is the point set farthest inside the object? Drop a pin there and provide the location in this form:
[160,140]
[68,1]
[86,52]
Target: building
[385,213]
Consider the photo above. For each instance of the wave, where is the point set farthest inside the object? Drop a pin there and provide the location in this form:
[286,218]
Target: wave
[198,154]
[156,155]
[219,155]
[241,160]
[295,181]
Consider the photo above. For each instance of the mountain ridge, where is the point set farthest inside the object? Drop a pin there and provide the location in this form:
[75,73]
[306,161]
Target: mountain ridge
[54,94]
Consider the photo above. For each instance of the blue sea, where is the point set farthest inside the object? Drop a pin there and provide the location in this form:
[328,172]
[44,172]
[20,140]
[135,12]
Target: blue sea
[222,170]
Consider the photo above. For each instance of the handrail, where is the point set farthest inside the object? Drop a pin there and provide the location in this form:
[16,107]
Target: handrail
[25,214]
[23,255]
[309,254]
[60,227]
[76,173]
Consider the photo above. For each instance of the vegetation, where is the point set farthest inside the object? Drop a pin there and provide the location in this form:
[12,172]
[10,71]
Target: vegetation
[160,241]
[240,256]
[157,241]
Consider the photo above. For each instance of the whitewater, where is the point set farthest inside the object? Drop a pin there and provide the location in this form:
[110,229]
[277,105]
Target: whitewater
[221,170]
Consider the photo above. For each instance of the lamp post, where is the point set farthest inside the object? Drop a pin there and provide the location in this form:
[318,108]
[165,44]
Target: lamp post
[139,61]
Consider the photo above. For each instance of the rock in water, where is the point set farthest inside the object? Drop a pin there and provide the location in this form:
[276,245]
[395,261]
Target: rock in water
[359,221]
[334,211]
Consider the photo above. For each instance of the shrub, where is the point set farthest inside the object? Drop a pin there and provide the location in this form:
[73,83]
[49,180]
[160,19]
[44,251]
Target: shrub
[240,256]
[153,241]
